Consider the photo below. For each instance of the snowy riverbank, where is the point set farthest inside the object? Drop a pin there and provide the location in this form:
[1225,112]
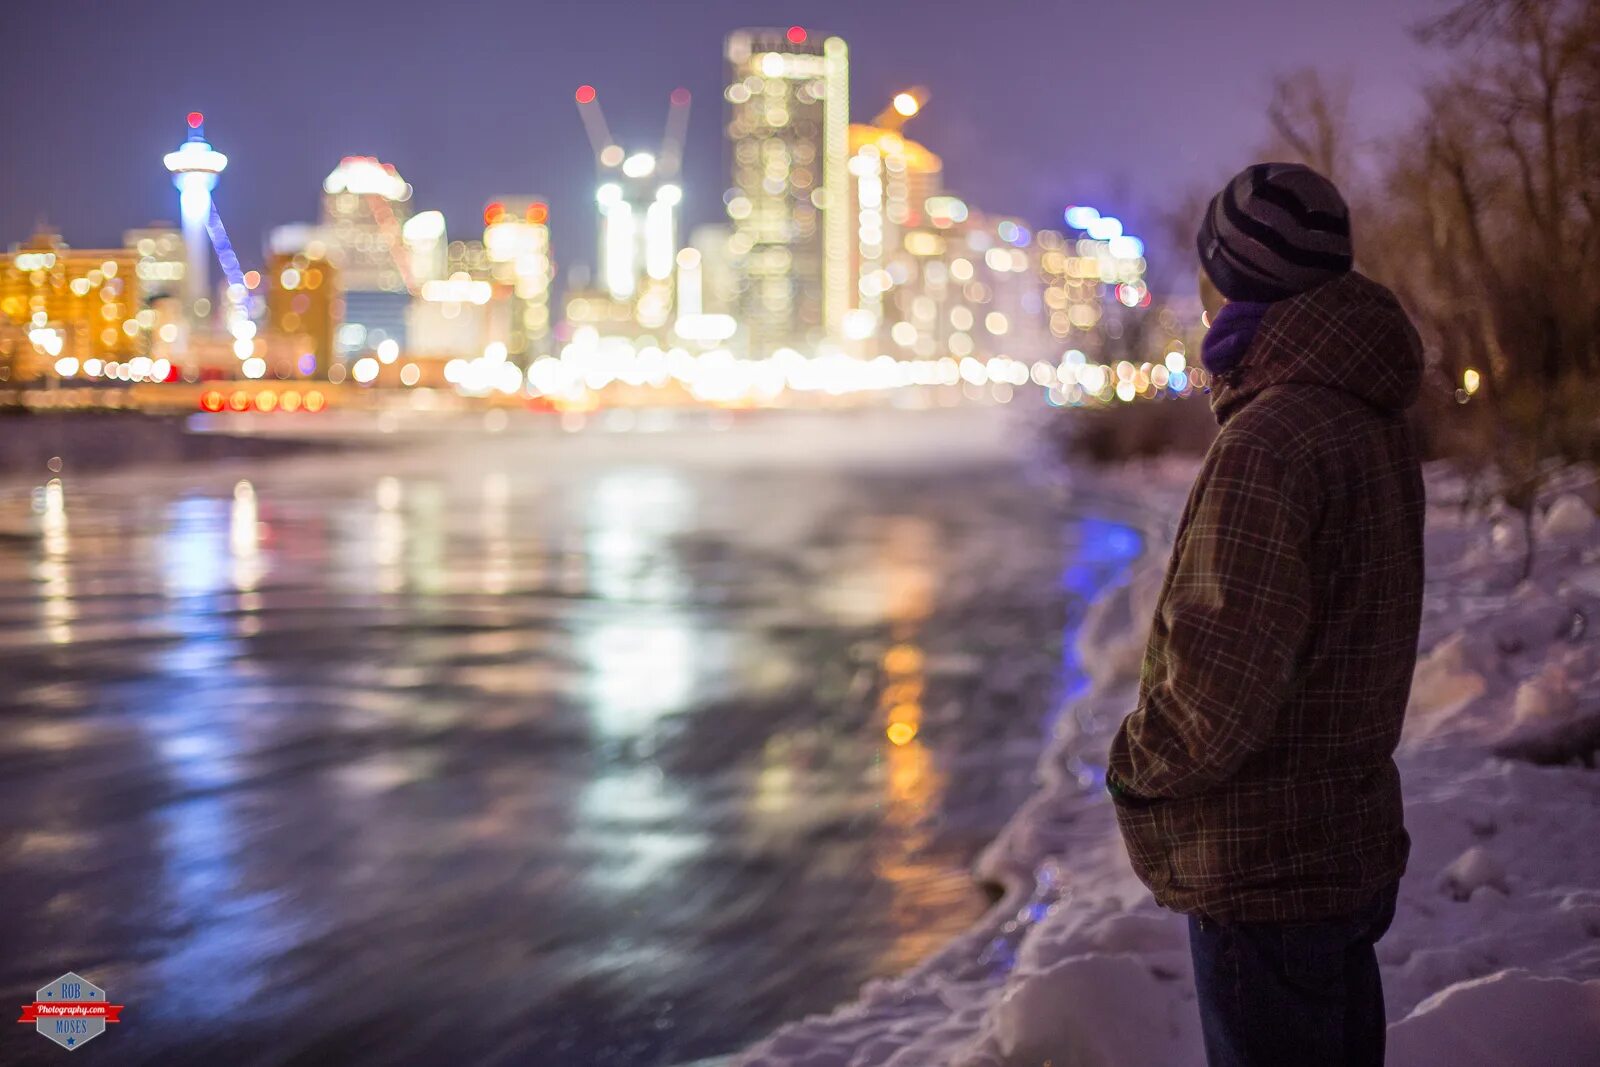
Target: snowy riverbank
[1494,957]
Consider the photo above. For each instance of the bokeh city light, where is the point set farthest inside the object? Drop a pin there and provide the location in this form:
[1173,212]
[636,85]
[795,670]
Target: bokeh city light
[843,268]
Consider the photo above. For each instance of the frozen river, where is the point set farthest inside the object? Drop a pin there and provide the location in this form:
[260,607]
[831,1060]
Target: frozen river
[600,748]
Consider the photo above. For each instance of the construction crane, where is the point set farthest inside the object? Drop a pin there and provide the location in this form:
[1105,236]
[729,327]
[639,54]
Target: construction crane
[638,197]
[902,107]
[677,129]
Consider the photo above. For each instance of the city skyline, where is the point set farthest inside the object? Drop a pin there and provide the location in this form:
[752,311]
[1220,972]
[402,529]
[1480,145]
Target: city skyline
[841,241]
[458,165]
[692,533]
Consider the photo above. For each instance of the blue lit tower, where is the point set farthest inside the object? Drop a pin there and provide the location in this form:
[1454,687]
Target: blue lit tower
[195,167]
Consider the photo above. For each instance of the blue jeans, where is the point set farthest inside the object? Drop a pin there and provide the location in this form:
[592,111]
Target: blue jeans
[1300,994]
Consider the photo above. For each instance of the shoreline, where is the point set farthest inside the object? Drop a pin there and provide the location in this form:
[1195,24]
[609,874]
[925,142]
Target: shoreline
[49,444]
[1015,861]
[1495,952]
[1022,893]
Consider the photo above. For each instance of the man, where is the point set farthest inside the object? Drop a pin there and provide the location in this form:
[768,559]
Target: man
[1254,783]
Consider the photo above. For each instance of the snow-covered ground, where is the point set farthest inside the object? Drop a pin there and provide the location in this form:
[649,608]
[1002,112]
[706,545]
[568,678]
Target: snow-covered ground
[1494,956]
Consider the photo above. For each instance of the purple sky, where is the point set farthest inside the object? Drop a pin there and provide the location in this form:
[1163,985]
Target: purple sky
[1036,103]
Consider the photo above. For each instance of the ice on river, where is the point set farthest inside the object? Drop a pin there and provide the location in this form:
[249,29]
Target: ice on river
[615,746]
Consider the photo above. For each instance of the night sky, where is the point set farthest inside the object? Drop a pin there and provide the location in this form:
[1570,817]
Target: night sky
[1036,103]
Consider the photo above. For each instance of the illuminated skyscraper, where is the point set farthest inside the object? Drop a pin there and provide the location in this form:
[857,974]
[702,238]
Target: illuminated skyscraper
[788,121]
[364,209]
[427,246]
[162,260]
[303,305]
[195,167]
[516,239]
[63,309]
[716,280]
[892,179]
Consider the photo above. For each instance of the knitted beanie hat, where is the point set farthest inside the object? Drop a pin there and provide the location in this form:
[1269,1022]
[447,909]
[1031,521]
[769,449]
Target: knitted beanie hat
[1275,230]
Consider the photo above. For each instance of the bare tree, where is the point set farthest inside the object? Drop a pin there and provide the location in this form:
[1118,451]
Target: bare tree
[1309,115]
[1485,218]
[1493,234]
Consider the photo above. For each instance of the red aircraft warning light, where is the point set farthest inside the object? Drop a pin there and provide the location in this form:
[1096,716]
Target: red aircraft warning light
[195,119]
[585,94]
[797,35]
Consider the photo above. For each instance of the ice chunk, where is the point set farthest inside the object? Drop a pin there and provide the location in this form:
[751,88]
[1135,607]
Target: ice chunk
[1546,697]
[1508,535]
[1473,869]
[1442,685]
[1569,519]
[1097,1011]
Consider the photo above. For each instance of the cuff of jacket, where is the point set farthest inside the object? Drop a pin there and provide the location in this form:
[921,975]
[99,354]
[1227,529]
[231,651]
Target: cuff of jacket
[1121,794]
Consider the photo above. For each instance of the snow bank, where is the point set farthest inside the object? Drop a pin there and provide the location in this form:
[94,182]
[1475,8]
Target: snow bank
[1494,956]
[1509,1017]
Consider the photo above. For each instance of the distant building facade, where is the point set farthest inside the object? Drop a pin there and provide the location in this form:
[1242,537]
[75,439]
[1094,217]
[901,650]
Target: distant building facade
[161,262]
[516,242]
[788,94]
[365,205]
[63,303]
[892,179]
[304,305]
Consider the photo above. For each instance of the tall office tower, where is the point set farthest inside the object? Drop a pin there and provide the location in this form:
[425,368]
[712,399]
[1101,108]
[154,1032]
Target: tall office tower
[162,264]
[716,280]
[788,122]
[516,238]
[461,314]
[426,246]
[364,210]
[892,179]
[162,260]
[303,305]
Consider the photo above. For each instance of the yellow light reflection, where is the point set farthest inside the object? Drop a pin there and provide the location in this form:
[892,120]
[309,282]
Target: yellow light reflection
[53,571]
[906,574]
[244,538]
[389,536]
[902,660]
[496,520]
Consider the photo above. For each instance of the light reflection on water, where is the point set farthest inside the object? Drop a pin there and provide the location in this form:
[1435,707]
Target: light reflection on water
[53,571]
[625,763]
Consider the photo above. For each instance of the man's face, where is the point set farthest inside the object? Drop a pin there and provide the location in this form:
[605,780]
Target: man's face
[1211,297]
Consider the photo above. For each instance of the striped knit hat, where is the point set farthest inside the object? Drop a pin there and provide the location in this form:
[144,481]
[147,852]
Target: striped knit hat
[1275,230]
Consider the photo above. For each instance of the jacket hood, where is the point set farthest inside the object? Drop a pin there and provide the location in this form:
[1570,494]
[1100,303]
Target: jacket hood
[1349,334]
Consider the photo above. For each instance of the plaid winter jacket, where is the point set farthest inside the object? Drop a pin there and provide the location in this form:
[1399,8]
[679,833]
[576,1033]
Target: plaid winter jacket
[1255,780]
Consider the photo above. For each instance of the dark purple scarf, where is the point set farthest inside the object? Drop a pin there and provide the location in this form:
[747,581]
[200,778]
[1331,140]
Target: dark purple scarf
[1230,335]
